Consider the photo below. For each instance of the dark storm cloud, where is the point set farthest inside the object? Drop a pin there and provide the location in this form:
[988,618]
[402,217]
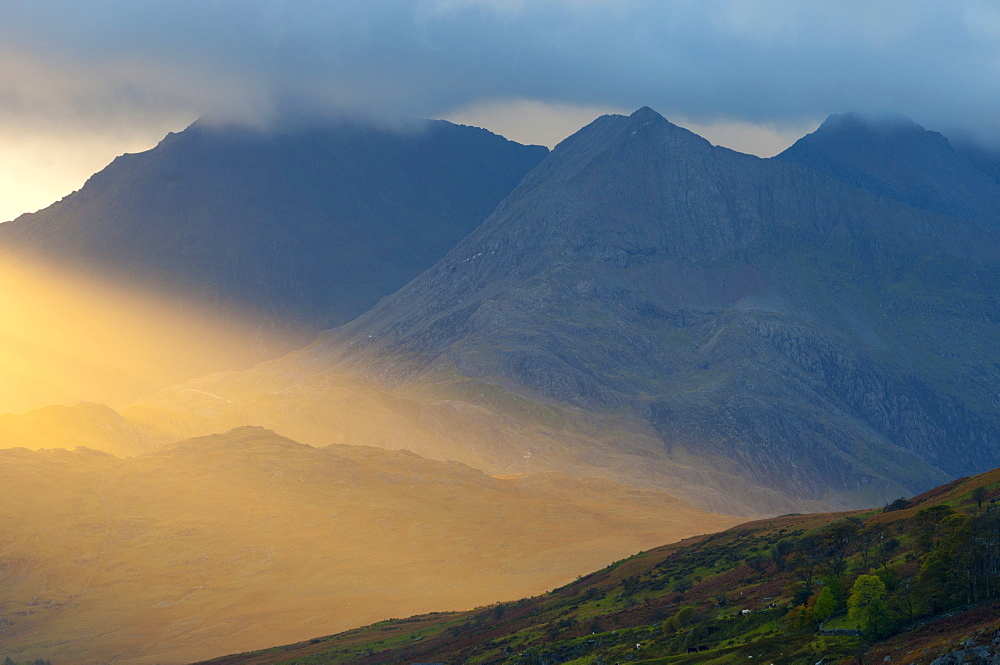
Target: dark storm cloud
[765,61]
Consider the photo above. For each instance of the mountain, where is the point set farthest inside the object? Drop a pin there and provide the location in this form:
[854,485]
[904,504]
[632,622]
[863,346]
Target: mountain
[225,246]
[772,591]
[895,157]
[312,222]
[237,540]
[86,425]
[750,327]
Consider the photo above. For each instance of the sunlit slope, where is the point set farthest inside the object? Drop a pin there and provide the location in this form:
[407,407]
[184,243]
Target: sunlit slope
[446,417]
[67,336]
[246,539]
[760,592]
[94,426]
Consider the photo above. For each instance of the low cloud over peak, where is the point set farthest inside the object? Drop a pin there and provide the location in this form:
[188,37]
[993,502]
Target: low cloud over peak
[767,66]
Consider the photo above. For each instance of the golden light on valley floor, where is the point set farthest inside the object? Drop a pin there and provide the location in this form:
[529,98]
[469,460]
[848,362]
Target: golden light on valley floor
[247,540]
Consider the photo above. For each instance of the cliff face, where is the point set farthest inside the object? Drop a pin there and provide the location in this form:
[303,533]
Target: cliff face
[781,325]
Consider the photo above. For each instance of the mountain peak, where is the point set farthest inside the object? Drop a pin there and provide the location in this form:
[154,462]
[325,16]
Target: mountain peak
[860,132]
[893,156]
[646,114]
[881,123]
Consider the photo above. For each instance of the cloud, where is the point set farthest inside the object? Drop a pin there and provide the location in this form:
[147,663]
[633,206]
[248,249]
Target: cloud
[530,121]
[97,67]
[766,60]
[764,139]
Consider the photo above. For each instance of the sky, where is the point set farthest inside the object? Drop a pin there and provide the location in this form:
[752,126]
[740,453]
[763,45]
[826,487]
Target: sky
[81,83]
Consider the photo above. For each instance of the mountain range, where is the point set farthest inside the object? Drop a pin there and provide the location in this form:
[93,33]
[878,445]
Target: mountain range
[763,330]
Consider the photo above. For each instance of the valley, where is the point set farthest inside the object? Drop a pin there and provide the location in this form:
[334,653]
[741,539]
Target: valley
[244,539]
[785,590]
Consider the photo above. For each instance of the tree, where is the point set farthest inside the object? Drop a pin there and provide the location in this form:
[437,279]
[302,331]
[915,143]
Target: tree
[837,539]
[877,622]
[798,618]
[935,582]
[866,606]
[926,521]
[979,495]
[758,562]
[836,586]
[866,589]
[806,558]
[686,616]
[904,601]
[886,550]
[898,504]
[826,604]
[780,551]
[869,540]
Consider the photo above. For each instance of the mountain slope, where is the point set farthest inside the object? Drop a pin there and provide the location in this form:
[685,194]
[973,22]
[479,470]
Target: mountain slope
[223,246]
[310,222]
[93,426]
[751,318]
[446,417]
[895,157]
[235,540]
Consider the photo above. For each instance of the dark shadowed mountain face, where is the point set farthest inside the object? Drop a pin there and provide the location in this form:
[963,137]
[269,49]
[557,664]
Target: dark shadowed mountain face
[771,322]
[313,224]
[895,157]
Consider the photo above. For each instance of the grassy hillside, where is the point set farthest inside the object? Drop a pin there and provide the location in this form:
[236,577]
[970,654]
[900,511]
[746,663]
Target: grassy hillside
[769,591]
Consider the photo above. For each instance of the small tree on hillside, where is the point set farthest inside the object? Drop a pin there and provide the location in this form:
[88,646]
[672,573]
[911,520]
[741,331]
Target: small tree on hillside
[979,495]
[826,604]
[866,606]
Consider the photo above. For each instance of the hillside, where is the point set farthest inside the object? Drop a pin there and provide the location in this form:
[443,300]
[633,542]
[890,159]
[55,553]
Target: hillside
[751,333]
[757,592]
[85,425]
[243,539]
[453,418]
